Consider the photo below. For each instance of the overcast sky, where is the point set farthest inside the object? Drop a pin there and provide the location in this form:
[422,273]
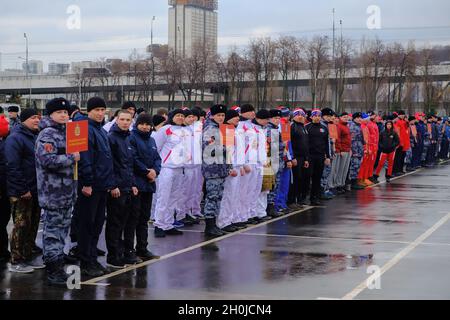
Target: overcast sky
[113,28]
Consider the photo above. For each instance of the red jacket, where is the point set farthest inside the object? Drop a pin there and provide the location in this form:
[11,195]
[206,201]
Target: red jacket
[374,136]
[403,131]
[344,141]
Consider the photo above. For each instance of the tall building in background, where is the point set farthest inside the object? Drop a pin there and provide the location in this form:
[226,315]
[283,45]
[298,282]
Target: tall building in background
[34,67]
[193,26]
[58,68]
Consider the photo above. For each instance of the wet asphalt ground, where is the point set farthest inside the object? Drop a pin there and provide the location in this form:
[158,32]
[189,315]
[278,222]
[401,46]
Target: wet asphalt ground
[399,232]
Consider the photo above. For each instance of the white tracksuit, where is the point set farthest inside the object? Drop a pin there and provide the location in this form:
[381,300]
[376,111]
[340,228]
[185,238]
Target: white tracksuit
[230,206]
[191,196]
[170,141]
[260,197]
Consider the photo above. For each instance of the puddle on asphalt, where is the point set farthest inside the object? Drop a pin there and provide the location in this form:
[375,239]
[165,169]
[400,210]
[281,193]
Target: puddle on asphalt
[387,221]
[292,264]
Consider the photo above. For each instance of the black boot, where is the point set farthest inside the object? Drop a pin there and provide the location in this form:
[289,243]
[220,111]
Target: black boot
[56,276]
[271,212]
[211,230]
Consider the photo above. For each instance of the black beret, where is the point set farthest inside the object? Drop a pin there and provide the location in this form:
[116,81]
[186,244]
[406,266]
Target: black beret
[27,114]
[144,119]
[231,114]
[275,113]
[173,113]
[247,108]
[343,114]
[218,108]
[94,103]
[412,118]
[263,114]
[128,105]
[57,105]
[327,112]
[401,113]
[357,115]
[196,112]
[157,120]
[187,112]
[13,109]
[140,110]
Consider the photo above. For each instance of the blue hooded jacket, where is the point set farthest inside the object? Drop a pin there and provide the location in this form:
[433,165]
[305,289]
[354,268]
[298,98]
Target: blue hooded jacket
[146,157]
[123,159]
[20,158]
[96,164]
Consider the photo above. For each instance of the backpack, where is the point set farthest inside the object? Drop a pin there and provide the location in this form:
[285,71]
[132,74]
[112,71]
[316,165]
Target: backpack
[4,126]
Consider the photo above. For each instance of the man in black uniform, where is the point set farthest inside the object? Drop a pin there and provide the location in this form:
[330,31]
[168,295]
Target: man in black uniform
[300,146]
[319,154]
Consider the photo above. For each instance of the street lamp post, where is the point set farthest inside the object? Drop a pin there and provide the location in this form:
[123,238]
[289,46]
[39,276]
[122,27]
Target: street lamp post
[27,70]
[153,66]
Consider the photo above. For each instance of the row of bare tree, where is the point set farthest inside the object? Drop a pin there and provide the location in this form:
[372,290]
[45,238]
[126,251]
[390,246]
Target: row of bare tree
[266,71]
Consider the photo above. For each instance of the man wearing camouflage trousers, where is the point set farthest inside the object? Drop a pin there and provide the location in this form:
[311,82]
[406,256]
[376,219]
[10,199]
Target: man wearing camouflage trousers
[215,169]
[57,189]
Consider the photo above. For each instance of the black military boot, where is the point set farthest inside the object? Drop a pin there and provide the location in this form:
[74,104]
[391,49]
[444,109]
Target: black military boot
[211,230]
[271,212]
[56,276]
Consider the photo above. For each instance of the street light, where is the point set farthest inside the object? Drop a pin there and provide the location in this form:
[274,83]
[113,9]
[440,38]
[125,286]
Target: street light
[153,64]
[27,71]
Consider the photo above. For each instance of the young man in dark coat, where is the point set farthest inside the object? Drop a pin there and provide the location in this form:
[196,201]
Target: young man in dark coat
[95,172]
[389,141]
[147,166]
[319,154]
[122,195]
[22,191]
[5,208]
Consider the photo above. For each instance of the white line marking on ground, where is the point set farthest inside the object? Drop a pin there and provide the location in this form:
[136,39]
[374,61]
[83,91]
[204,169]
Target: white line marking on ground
[194,247]
[391,263]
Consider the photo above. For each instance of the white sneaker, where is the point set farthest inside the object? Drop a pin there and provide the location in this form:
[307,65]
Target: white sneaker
[35,264]
[21,268]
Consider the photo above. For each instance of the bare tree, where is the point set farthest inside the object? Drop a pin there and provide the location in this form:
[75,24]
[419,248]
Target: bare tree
[236,68]
[343,60]
[318,62]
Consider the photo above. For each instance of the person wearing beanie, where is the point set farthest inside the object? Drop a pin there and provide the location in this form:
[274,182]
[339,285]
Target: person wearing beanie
[300,160]
[277,161]
[5,208]
[215,169]
[13,114]
[121,199]
[57,189]
[147,167]
[229,220]
[319,154]
[171,146]
[192,185]
[265,178]
[358,145]
[247,112]
[343,153]
[389,141]
[401,126]
[414,138]
[373,141]
[95,172]
[362,181]
[326,183]
[22,191]
[281,199]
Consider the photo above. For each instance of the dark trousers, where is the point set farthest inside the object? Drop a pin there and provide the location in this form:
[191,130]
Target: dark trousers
[5,216]
[91,217]
[443,154]
[298,190]
[417,156]
[399,161]
[26,224]
[137,224]
[316,167]
[119,213]
[431,154]
[74,224]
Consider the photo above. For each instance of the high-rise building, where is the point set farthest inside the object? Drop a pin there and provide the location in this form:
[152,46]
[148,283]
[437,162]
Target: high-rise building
[193,26]
[58,68]
[34,67]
